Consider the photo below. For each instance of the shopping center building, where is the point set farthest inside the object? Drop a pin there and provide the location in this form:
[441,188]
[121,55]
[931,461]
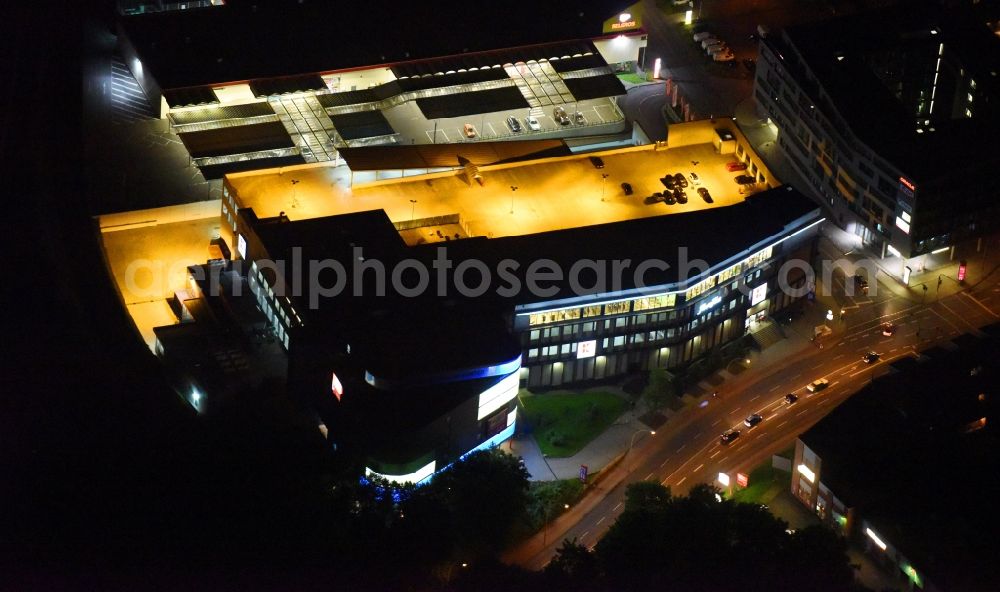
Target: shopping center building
[885,115]
[250,86]
[904,466]
[436,357]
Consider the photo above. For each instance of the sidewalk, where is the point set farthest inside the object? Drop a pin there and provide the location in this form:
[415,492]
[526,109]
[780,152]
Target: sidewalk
[596,455]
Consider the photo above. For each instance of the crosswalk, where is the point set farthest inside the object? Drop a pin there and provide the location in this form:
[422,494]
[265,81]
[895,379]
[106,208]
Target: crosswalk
[128,101]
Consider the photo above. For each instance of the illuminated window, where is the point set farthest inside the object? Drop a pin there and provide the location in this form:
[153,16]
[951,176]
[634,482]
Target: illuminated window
[617,307]
[661,301]
[335,387]
[903,225]
[592,311]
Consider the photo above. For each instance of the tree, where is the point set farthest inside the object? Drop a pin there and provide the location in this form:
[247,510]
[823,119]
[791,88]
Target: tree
[573,568]
[662,386]
[486,493]
[646,496]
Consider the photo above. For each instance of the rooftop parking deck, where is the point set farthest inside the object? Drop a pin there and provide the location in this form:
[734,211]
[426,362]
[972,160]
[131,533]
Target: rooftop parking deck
[519,199]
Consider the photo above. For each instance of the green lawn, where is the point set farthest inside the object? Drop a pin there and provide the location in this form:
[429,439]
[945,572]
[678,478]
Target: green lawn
[765,482]
[632,77]
[564,422]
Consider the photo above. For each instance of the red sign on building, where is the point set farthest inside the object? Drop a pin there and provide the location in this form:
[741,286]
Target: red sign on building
[742,479]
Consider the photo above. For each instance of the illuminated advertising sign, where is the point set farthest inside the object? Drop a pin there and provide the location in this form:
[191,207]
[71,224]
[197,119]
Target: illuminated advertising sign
[709,304]
[724,479]
[742,479]
[758,294]
[906,275]
[586,349]
[626,25]
[961,270]
[906,186]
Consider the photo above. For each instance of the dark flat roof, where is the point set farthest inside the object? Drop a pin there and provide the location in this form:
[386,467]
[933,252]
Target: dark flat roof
[842,53]
[237,140]
[249,39]
[898,451]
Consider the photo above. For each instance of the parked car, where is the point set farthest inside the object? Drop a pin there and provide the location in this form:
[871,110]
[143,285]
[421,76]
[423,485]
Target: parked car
[861,283]
[470,130]
[753,420]
[514,124]
[669,199]
[870,357]
[532,122]
[627,188]
[745,179]
[681,196]
[732,167]
[559,114]
[710,41]
[597,161]
[579,119]
[699,37]
[729,436]
[668,182]
[818,385]
[791,398]
[694,179]
[680,181]
[705,195]
[888,329]
[725,56]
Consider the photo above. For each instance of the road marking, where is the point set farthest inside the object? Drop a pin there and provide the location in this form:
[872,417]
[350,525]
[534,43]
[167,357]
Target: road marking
[782,423]
[716,453]
[755,398]
[974,299]
[774,389]
[716,422]
[697,435]
[584,535]
[698,468]
[838,357]
[601,520]
[615,509]
[646,478]
[664,462]
[801,413]
[682,447]
[684,478]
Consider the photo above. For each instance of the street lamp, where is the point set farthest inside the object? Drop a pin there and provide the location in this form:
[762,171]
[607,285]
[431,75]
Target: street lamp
[513,188]
[632,443]
[604,178]
[548,518]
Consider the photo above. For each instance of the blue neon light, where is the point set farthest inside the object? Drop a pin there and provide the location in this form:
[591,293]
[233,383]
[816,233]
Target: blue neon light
[502,369]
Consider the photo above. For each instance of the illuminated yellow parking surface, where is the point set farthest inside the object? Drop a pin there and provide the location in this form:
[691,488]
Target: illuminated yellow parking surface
[518,199]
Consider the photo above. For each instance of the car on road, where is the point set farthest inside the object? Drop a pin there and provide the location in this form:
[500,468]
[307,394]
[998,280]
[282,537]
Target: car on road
[669,199]
[532,122]
[729,436]
[753,420]
[732,167]
[705,195]
[861,283]
[470,130]
[680,181]
[627,188]
[514,124]
[597,161]
[870,357]
[579,118]
[559,114]
[818,385]
[681,196]
[888,329]
[791,398]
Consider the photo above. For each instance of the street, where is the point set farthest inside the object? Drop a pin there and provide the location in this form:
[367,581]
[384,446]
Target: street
[686,451]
